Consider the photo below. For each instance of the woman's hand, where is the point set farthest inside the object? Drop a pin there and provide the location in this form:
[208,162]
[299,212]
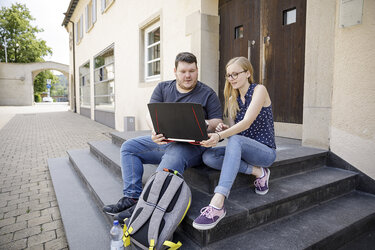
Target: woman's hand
[212,141]
[158,138]
[221,126]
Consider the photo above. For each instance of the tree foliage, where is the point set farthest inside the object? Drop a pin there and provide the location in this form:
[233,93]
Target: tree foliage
[16,30]
[40,81]
[61,86]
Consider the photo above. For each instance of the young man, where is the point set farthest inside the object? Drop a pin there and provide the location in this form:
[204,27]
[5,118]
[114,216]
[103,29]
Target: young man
[152,149]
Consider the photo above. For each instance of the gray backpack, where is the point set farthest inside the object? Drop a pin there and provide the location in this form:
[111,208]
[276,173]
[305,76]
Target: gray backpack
[161,207]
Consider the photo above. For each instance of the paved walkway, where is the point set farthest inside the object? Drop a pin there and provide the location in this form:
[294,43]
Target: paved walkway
[29,214]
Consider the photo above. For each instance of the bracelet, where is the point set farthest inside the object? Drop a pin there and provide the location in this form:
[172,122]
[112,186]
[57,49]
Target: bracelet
[218,135]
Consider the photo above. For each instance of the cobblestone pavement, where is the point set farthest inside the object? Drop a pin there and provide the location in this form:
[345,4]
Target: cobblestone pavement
[29,213]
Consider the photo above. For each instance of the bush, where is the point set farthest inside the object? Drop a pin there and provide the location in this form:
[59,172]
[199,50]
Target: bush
[37,98]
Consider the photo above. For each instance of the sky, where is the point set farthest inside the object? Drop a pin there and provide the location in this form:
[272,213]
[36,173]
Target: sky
[49,16]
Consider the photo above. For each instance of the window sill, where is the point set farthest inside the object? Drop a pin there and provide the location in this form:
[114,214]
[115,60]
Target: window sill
[91,27]
[147,84]
[107,7]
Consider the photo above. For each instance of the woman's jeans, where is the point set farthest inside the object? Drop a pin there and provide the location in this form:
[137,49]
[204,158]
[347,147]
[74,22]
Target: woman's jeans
[240,155]
[142,150]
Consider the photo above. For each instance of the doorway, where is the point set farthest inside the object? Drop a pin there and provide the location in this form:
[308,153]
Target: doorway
[272,35]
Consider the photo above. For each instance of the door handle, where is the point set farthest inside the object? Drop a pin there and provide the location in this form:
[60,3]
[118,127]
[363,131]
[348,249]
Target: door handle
[249,45]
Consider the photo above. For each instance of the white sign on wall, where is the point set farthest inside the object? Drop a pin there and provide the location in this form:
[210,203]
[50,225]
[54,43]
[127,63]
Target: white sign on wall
[350,13]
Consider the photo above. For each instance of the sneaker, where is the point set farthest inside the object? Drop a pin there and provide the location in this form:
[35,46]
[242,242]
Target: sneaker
[125,214]
[209,217]
[123,204]
[261,184]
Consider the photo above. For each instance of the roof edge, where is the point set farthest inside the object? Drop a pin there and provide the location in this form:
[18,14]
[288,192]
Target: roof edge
[69,12]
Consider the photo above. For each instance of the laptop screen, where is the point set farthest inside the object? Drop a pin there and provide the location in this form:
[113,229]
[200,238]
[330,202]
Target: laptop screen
[179,121]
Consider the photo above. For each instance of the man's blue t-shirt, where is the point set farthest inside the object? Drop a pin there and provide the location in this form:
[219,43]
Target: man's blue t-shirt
[202,94]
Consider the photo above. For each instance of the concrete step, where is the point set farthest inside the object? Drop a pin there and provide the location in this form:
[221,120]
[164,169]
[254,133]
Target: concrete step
[104,185]
[327,226]
[84,225]
[245,209]
[288,195]
[109,154]
[118,138]
[290,160]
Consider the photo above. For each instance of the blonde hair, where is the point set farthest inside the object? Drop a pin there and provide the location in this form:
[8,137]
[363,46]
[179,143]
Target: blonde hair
[230,95]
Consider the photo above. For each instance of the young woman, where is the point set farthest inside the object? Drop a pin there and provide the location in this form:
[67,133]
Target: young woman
[251,145]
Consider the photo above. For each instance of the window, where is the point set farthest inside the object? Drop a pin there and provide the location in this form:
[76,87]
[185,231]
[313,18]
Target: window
[106,4]
[79,30]
[84,85]
[238,32]
[104,80]
[90,14]
[289,16]
[152,52]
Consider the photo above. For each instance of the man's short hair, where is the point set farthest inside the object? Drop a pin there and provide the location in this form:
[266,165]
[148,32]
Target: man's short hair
[185,57]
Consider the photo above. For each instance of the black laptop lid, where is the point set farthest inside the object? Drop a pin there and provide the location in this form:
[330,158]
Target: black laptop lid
[179,121]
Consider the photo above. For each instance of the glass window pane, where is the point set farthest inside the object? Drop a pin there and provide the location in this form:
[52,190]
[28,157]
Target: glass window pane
[154,36]
[105,58]
[153,68]
[289,16]
[104,95]
[153,52]
[238,32]
[89,14]
[99,61]
[85,96]
[104,73]
[84,83]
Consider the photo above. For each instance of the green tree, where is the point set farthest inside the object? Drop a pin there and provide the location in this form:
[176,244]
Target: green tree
[40,81]
[20,36]
[61,86]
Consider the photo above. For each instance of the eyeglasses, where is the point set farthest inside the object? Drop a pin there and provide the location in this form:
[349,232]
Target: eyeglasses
[234,75]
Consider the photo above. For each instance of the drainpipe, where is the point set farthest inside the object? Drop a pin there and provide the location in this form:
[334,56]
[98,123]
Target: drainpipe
[74,70]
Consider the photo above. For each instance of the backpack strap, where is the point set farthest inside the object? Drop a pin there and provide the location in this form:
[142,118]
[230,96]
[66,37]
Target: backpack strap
[125,237]
[150,204]
[172,245]
[161,207]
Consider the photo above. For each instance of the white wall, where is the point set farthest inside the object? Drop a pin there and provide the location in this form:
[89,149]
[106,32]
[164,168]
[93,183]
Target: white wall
[353,100]
[181,27]
[17,81]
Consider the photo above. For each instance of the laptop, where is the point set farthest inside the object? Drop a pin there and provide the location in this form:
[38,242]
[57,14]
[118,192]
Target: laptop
[181,122]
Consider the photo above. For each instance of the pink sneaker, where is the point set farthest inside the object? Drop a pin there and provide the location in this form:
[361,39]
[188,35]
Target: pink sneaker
[209,217]
[261,184]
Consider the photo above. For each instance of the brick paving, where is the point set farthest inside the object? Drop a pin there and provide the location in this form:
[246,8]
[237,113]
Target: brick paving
[29,213]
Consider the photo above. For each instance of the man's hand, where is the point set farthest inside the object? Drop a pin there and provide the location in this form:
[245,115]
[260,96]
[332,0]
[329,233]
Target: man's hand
[220,127]
[212,124]
[158,138]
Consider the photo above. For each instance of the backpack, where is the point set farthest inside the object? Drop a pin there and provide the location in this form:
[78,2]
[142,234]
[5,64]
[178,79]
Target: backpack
[161,207]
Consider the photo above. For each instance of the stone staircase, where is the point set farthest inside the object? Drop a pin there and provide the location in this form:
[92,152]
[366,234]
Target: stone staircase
[314,201]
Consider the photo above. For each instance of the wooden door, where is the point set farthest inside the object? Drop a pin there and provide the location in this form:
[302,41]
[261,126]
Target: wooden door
[283,55]
[239,35]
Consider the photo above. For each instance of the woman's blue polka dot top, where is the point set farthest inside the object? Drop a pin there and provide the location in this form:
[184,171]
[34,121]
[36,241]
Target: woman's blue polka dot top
[262,129]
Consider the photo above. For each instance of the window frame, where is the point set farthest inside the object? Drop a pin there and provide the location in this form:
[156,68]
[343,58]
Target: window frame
[87,83]
[106,4]
[154,26]
[112,79]
[79,32]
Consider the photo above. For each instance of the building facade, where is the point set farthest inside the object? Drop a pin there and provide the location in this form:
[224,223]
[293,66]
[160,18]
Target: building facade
[314,57]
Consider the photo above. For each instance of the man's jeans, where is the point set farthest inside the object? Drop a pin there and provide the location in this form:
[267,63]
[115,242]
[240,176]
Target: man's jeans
[240,155]
[142,150]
